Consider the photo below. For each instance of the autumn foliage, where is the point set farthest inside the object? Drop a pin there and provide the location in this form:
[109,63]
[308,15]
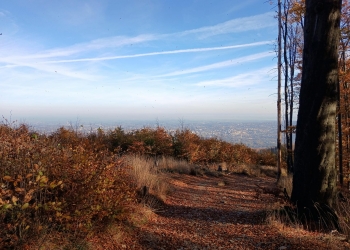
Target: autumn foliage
[71,182]
[58,182]
[344,87]
[181,144]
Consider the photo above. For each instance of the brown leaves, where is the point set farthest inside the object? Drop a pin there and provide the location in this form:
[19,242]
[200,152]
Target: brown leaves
[196,218]
[61,181]
[28,196]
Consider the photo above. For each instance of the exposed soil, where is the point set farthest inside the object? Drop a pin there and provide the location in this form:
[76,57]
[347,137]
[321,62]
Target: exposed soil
[223,213]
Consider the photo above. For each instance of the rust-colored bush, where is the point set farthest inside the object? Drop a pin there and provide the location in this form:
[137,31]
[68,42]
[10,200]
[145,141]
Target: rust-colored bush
[118,140]
[186,145]
[155,141]
[59,182]
[267,157]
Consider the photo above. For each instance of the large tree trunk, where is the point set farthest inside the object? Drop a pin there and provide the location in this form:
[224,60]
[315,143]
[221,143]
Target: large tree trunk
[315,176]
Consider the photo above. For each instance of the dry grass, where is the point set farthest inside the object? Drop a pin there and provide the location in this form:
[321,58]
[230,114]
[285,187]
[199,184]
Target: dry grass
[286,182]
[254,170]
[285,217]
[170,164]
[287,223]
[146,174]
[343,211]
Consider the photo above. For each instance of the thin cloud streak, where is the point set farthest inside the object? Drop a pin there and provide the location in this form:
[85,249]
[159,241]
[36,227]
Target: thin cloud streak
[15,62]
[98,44]
[233,26]
[246,79]
[64,71]
[220,64]
[160,53]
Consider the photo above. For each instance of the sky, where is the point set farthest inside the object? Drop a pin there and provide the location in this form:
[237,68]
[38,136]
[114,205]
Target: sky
[110,60]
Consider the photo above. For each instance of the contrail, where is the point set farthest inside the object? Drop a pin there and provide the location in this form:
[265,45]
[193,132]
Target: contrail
[160,53]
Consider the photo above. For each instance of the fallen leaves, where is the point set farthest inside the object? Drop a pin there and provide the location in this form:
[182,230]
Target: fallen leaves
[196,218]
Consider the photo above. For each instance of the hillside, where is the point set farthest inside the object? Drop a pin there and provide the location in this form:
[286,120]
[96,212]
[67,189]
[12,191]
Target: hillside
[228,212]
[142,190]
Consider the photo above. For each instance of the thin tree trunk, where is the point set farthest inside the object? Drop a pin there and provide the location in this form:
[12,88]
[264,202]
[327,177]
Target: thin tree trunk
[340,131]
[286,80]
[291,103]
[279,154]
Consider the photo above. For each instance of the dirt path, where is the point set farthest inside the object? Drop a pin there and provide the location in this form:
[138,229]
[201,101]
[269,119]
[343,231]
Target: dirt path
[222,213]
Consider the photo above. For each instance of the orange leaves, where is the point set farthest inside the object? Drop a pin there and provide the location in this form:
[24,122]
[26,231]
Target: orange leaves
[297,10]
[183,144]
[137,147]
[7,178]
[190,146]
[344,86]
[47,179]
[28,196]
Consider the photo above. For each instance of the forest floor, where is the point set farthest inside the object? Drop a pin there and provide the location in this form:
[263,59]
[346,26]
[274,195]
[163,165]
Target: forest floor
[227,212]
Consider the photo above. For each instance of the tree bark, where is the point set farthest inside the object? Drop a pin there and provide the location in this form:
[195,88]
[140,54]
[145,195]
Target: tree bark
[286,69]
[279,68]
[314,167]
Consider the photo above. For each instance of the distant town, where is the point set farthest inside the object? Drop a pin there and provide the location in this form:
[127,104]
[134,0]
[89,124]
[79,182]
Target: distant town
[260,134]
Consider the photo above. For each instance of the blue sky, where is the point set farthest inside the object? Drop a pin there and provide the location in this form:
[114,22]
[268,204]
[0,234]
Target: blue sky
[110,60]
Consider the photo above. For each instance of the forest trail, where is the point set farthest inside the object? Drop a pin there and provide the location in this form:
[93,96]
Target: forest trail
[222,213]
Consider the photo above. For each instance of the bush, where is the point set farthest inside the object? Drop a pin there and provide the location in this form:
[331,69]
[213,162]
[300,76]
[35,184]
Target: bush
[267,157]
[59,182]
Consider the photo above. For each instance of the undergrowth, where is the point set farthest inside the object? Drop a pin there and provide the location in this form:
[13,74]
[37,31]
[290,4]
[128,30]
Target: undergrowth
[146,175]
[73,184]
[61,182]
[335,221]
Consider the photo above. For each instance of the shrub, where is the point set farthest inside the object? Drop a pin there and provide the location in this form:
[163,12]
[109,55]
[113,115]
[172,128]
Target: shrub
[118,140]
[59,182]
[155,142]
[267,157]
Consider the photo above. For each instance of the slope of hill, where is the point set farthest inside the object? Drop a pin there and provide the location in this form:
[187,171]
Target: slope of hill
[219,213]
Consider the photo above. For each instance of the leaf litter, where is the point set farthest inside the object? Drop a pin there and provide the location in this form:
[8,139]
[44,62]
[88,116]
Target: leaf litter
[200,214]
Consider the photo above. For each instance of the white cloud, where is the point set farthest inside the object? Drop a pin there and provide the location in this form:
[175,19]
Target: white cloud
[246,79]
[98,44]
[240,5]
[42,76]
[232,26]
[194,50]
[220,64]
[7,24]
[53,69]
[35,60]
[243,24]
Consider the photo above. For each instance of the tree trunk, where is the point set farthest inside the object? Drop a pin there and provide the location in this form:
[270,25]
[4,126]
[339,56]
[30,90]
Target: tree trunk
[279,67]
[340,131]
[292,58]
[314,181]
[286,49]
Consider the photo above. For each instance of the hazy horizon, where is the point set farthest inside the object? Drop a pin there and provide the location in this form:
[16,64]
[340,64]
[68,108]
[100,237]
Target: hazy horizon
[55,120]
[253,133]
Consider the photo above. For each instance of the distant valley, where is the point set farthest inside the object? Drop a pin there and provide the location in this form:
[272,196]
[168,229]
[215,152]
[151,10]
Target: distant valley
[254,134]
